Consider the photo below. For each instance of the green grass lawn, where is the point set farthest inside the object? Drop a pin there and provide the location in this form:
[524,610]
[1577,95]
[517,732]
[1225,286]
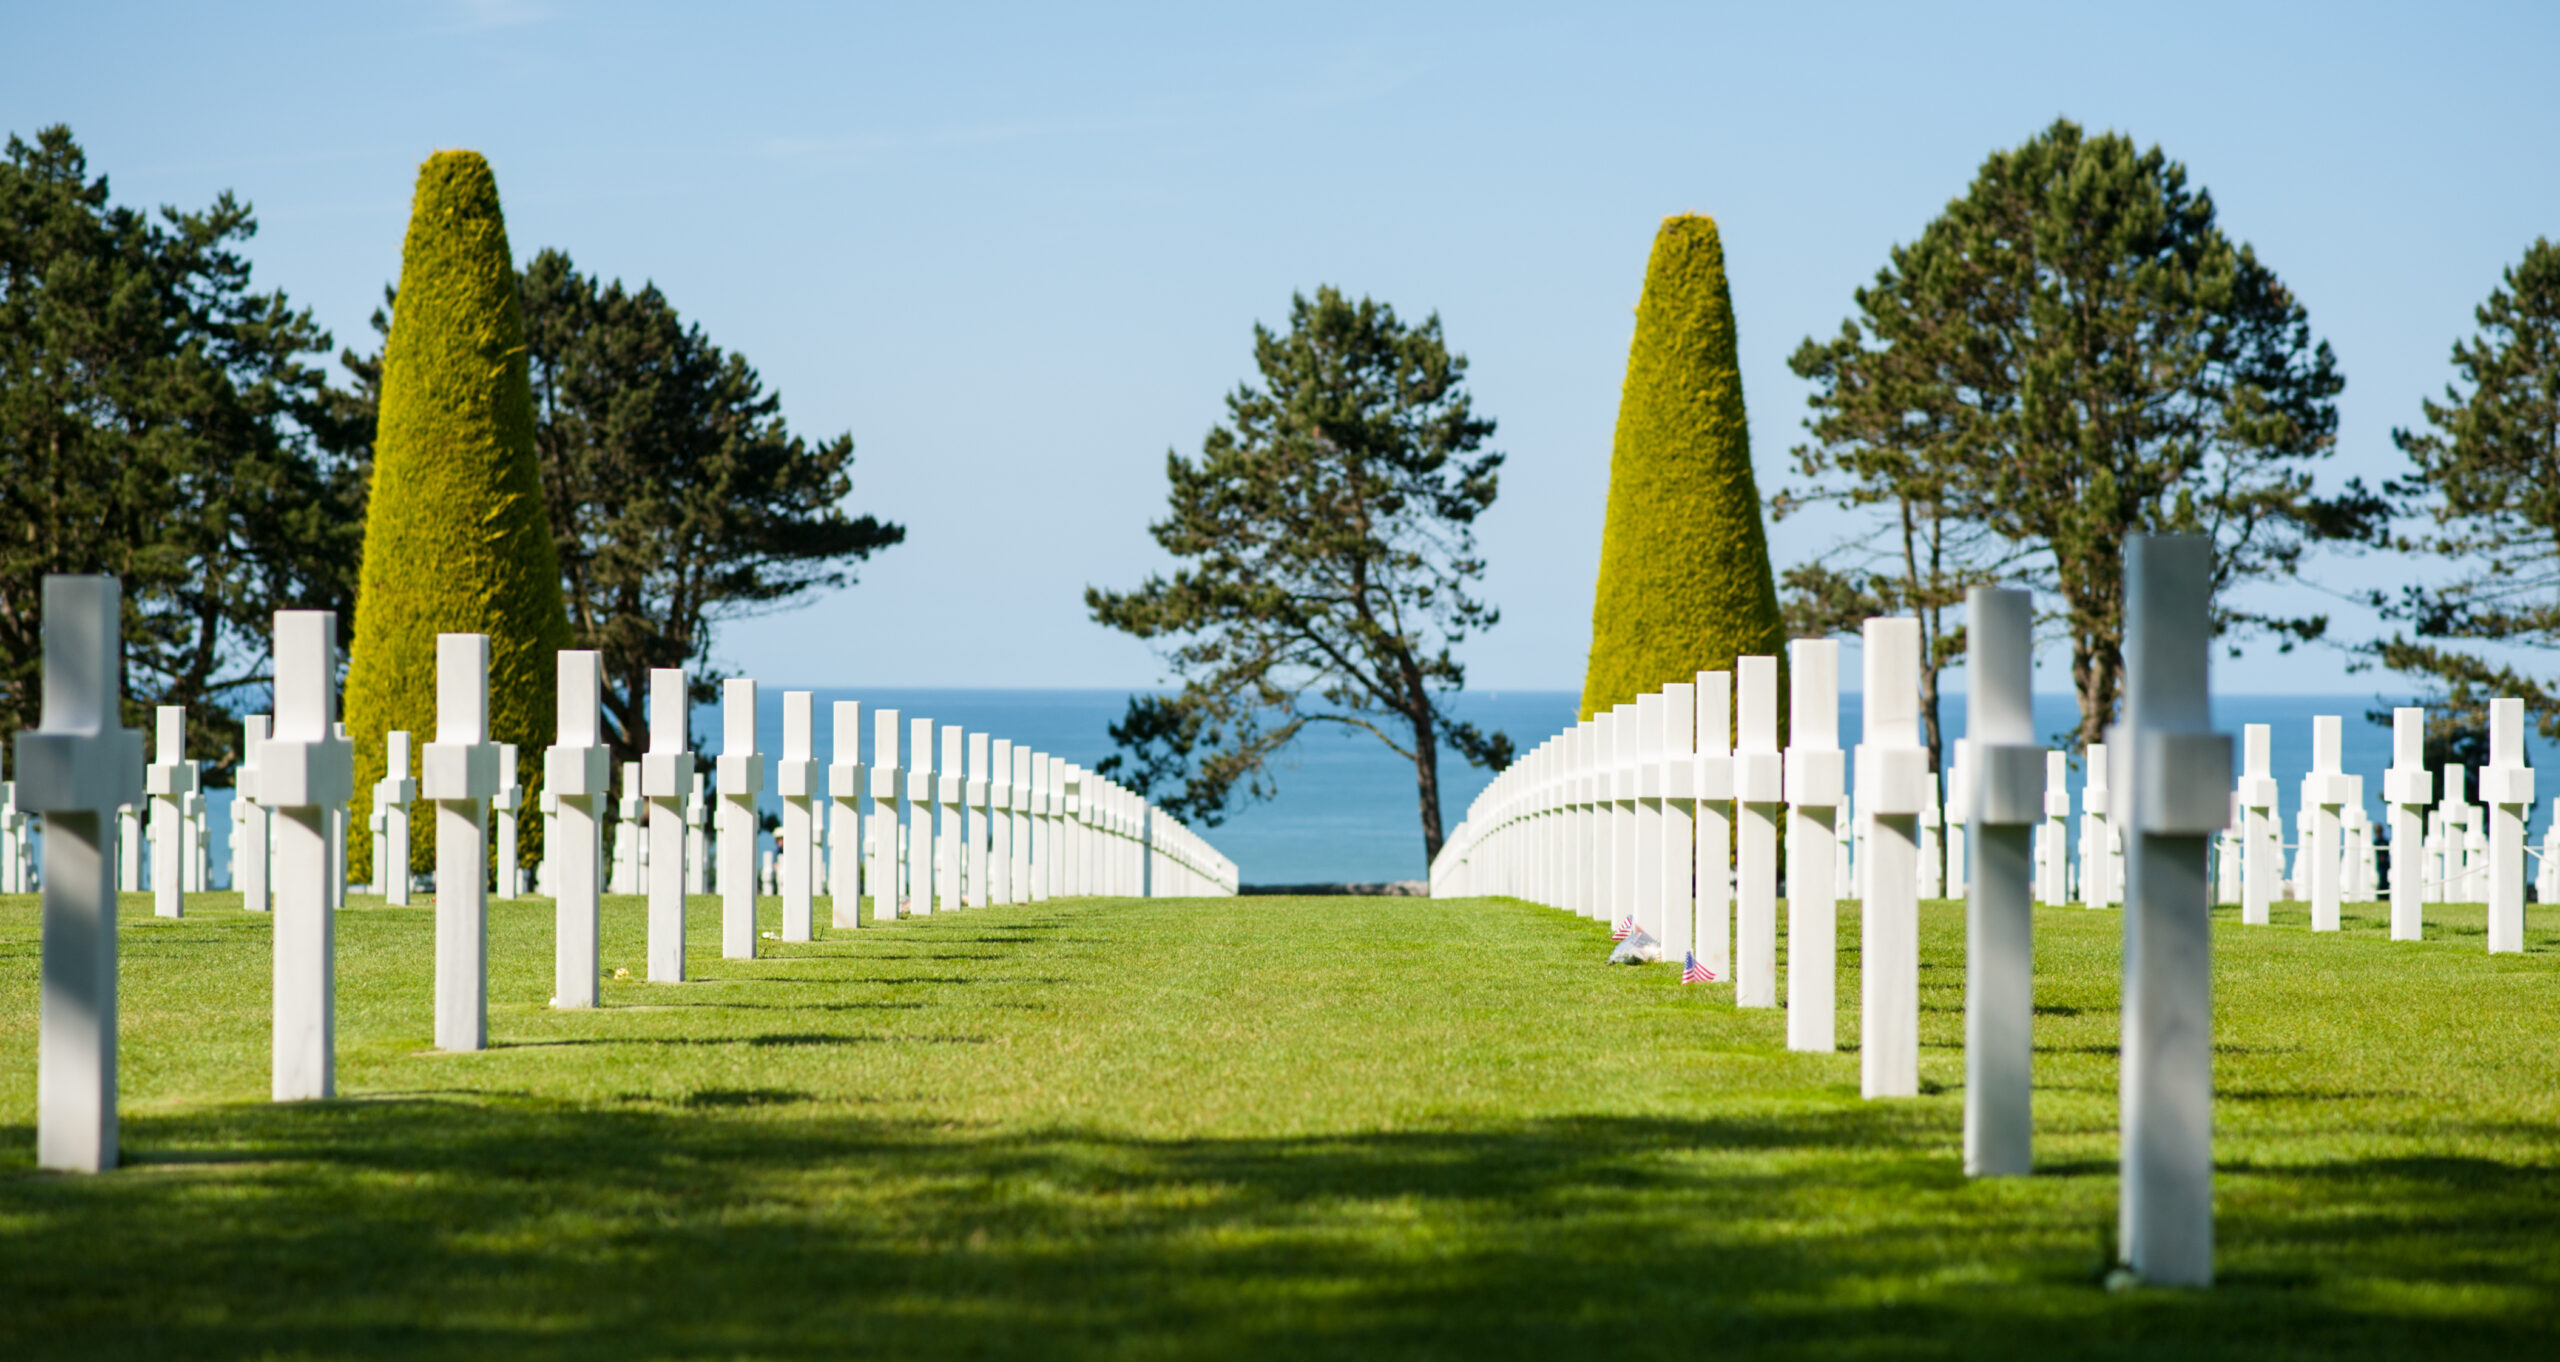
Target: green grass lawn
[1276,1127]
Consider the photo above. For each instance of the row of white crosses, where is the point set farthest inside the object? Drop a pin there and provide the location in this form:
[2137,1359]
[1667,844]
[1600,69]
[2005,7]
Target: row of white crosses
[17,855]
[2442,854]
[1615,816]
[997,823]
[1629,813]
[953,833]
[1076,835]
[2454,851]
[2098,882]
[1147,847]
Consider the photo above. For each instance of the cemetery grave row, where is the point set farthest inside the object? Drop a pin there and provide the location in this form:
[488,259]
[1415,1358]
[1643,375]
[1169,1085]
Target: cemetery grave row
[991,823]
[1658,815]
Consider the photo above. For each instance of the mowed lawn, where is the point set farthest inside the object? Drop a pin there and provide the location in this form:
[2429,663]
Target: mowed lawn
[1261,1127]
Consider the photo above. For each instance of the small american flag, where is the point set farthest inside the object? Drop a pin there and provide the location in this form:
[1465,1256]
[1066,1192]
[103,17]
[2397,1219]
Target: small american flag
[1626,928]
[1695,973]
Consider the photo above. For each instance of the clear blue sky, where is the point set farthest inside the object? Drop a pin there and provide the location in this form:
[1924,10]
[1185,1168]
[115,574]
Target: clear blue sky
[1017,252]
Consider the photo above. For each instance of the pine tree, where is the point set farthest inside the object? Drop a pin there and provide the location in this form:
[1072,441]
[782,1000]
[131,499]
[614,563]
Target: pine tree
[456,539]
[2486,475]
[1684,561]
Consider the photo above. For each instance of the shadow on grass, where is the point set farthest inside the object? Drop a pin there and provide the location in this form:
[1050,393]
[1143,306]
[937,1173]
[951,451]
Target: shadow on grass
[754,1222]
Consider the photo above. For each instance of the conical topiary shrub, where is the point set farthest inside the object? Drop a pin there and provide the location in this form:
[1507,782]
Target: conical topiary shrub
[456,540]
[1684,561]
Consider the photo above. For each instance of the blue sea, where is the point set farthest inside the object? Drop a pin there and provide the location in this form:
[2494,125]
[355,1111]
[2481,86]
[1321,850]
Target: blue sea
[1347,810]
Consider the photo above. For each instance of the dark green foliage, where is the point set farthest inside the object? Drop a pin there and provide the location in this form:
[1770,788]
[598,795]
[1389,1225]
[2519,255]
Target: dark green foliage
[2074,352]
[1328,538]
[1889,440]
[158,421]
[1684,580]
[2487,478]
[456,540]
[678,496]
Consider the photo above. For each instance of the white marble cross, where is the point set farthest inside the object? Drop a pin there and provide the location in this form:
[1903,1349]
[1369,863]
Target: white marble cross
[2356,878]
[1026,789]
[249,819]
[2453,810]
[949,789]
[2002,769]
[1814,787]
[1079,823]
[2174,773]
[13,841]
[306,775]
[2475,849]
[1599,748]
[2506,788]
[461,772]
[1565,812]
[577,772]
[1676,778]
[1623,734]
[666,778]
[378,825]
[1571,786]
[75,770]
[1555,819]
[978,795]
[1053,830]
[1000,820]
[338,826]
[1758,787]
[796,778]
[630,826]
[503,808]
[2324,790]
[844,796]
[888,814]
[2056,890]
[131,846]
[392,796]
[1641,778]
[1063,817]
[1714,784]
[922,794]
[696,840]
[1897,789]
[168,781]
[194,846]
[741,779]
[2259,854]
[2096,859]
[2226,856]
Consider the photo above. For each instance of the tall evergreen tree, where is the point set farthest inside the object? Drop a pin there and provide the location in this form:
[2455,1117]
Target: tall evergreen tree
[162,421]
[456,538]
[2485,474]
[1890,443]
[1327,534]
[679,498]
[1684,559]
[2081,354]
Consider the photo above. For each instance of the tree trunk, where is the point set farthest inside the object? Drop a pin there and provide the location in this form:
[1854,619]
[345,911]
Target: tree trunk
[1426,782]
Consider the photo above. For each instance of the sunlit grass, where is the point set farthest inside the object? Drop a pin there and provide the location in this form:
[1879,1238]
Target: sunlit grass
[1260,1127]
